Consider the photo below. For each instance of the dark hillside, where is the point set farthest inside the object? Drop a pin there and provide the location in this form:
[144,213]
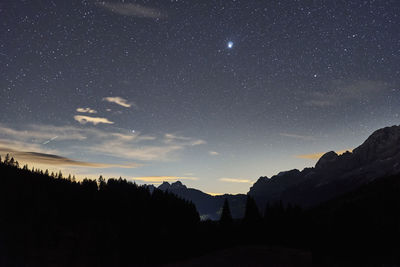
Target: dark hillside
[50,220]
[363,224]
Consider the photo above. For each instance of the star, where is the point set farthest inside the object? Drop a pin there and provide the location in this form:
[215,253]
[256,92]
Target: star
[230,44]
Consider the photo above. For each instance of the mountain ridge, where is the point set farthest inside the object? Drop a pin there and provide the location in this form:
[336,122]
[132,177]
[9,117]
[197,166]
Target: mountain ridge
[333,174]
[208,206]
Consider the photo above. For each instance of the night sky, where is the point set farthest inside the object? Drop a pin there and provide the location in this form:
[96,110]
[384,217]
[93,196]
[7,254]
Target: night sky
[213,93]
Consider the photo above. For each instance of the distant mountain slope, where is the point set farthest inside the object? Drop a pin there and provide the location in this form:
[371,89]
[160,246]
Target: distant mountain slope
[366,218]
[208,206]
[334,174]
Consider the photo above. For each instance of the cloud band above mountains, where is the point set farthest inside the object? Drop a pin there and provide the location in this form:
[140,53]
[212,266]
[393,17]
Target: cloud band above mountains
[133,10]
[55,160]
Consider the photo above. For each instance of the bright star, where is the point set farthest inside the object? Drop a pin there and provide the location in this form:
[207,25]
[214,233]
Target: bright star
[230,44]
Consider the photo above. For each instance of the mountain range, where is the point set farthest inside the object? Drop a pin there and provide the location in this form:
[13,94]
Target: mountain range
[332,176]
[208,206]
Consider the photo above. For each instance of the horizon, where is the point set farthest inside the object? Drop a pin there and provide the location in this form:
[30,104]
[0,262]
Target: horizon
[214,95]
[43,164]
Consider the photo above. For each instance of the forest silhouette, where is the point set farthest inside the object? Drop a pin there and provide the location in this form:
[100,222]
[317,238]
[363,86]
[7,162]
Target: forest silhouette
[47,219]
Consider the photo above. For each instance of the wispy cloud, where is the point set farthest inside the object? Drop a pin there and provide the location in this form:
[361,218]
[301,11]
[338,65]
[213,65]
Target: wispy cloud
[135,10]
[343,92]
[315,156]
[133,137]
[127,150]
[235,180]
[51,159]
[119,101]
[113,143]
[41,133]
[297,136]
[95,120]
[160,179]
[7,146]
[122,146]
[213,153]
[182,140]
[86,110]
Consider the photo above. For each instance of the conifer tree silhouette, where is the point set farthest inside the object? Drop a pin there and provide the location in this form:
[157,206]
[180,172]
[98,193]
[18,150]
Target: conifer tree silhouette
[252,215]
[226,216]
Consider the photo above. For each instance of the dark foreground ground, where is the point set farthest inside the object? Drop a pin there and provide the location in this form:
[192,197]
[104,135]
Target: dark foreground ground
[266,257]
[251,256]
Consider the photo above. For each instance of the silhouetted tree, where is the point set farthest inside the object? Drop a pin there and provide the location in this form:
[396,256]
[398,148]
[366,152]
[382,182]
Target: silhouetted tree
[252,215]
[7,158]
[12,162]
[226,216]
[102,183]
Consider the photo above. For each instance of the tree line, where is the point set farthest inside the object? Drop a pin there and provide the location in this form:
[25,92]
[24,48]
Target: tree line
[48,219]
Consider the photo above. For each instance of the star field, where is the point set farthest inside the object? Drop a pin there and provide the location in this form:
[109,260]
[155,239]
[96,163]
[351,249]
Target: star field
[217,89]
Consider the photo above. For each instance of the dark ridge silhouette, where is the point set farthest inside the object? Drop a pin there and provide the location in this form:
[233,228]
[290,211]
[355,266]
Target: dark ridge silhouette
[334,174]
[209,207]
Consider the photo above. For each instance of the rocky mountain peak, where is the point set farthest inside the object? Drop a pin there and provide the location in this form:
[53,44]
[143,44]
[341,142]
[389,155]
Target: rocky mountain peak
[326,159]
[383,143]
[334,174]
[174,186]
[164,186]
[178,185]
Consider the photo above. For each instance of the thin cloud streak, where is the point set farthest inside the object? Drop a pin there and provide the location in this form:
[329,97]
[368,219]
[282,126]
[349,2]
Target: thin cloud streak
[43,133]
[95,120]
[343,92]
[182,140]
[134,10]
[235,180]
[51,159]
[297,136]
[144,153]
[118,100]
[160,179]
[316,156]
[86,110]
